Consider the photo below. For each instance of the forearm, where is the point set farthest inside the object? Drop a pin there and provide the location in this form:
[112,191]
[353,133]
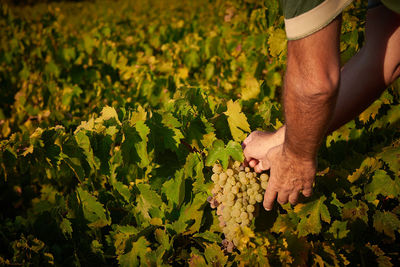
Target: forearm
[311,85]
[371,70]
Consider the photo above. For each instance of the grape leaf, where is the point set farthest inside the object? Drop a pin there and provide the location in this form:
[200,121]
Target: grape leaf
[237,121]
[339,229]
[222,153]
[108,113]
[174,189]
[209,236]
[123,190]
[149,202]
[311,215]
[371,111]
[93,210]
[172,135]
[250,87]
[391,156]
[355,209]
[382,260]
[368,165]
[214,255]
[382,184]
[277,42]
[386,222]
[66,227]
[84,142]
[138,251]
[134,146]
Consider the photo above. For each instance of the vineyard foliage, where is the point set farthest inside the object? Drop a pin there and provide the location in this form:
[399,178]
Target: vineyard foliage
[112,113]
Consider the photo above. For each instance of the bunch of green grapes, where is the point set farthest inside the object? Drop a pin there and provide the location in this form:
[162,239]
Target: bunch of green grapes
[235,194]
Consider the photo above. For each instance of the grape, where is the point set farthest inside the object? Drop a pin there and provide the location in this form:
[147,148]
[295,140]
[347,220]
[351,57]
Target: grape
[215,177]
[231,196]
[264,185]
[235,190]
[235,213]
[264,177]
[255,187]
[223,176]
[235,193]
[259,198]
[250,208]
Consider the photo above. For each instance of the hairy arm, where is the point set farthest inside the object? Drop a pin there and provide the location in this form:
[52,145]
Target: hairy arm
[311,85]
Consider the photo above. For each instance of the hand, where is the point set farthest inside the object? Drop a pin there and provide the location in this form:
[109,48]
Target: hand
[289,175]
[257,145]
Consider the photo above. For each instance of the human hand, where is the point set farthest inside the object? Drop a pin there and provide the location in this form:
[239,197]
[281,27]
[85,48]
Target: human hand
[257,145]
[289,175]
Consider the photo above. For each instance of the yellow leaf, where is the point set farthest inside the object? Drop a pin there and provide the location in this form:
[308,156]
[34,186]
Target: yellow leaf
[139,115]
[237,121]
[183,73]
[371,111]
[277,42]
[109,113]
[251,87]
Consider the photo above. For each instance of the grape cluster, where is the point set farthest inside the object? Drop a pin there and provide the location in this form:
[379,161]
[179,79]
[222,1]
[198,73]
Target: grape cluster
[235,193]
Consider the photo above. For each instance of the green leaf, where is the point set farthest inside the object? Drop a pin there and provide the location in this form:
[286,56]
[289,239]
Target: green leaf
[66,227]
[141,147]
[149,202]
[339,229]
[222,153]
[391,156]
[215,256]
[123,190]
[84,142]
[368,165]
[209,71]
[371,111]
[382,260]
[93,210]
[136,256]
[209,236]
[237,121]
[134,145]
[382,184]
[386,222]
[174,189]
[354,210]
[310,215]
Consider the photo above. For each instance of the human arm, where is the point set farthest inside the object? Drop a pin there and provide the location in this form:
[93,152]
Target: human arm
[362,79]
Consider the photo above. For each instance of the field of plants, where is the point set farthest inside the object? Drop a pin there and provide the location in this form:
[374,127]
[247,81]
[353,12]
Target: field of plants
[113,114]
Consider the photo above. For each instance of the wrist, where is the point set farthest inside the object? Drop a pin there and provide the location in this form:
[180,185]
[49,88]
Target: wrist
[298,154]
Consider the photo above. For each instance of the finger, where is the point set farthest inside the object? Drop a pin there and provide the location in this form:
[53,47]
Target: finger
[265,165]
[282,198]
[269,198]
[307,192]
[247,140]
[247,158]
[262,165]
[253,163]
[293,198]
[258,168]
